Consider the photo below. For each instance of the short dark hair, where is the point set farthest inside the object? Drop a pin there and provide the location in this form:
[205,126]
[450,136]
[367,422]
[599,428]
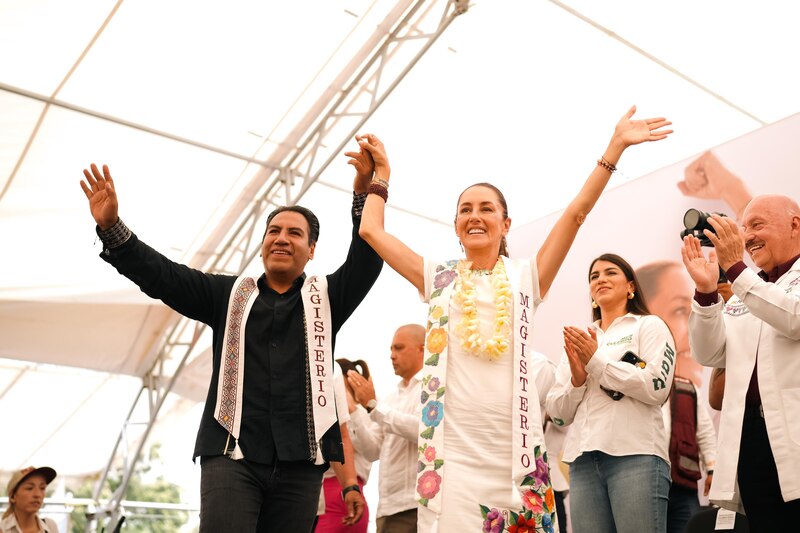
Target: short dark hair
[311,218]
[637,305]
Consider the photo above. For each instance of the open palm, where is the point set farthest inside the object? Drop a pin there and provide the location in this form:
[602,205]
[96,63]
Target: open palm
[631,132]
[704,272]
[99,189]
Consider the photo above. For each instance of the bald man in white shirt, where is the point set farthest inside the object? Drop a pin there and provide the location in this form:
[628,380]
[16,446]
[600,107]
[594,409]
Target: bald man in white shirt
[388,431]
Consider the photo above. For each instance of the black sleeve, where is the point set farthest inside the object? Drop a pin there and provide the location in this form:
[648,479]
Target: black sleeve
[188,291]
[351,282]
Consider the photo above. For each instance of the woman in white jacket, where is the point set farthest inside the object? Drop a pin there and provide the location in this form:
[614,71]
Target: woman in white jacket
[610,385]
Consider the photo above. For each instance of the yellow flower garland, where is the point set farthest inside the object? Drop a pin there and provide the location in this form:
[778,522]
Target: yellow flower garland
[468,329]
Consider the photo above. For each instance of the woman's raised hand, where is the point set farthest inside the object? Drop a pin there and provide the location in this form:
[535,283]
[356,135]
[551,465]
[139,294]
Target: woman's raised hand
[364,165]
[628,132]
[371,144]
[102,196]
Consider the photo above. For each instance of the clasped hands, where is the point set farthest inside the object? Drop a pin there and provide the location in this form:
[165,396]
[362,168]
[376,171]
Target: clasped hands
[369,161]
[579,346]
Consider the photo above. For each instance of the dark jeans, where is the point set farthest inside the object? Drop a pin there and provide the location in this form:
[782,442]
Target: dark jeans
[561,511]
[683,503]
[758,481]
[244,496]
[402,522]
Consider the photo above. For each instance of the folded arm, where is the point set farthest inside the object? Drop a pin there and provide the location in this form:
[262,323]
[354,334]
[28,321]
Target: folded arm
[650,384]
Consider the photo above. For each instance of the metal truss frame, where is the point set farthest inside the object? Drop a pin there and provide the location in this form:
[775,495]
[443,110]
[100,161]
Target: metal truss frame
[410,29]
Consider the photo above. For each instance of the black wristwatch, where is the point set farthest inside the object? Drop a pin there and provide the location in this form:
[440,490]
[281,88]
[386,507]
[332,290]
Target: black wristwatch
[350,488]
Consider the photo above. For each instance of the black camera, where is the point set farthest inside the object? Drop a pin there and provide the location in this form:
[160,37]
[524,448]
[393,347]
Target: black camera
[359,366]
[695,221]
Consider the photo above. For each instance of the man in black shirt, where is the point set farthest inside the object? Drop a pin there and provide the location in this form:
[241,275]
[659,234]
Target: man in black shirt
[269,387]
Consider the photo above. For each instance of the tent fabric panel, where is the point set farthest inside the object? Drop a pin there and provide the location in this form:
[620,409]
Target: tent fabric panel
[112,338]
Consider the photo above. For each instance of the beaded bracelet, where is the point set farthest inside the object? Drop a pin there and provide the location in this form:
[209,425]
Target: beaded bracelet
[382,182]
[606,165]
[380,190]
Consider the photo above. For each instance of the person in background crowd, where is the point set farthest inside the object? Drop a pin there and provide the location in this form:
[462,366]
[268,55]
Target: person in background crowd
[554,436]
[334,515]
[690,431]
[387,430]
[26,490]
[716,384]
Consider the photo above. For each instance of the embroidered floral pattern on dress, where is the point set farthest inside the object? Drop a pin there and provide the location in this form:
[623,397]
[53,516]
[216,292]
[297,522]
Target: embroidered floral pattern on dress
[538,502]
[429,453]
[429,480]
[429,484]
[524,524]
[436,343]
[493,522]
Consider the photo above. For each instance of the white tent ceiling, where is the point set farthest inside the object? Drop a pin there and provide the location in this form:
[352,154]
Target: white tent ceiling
[182,99]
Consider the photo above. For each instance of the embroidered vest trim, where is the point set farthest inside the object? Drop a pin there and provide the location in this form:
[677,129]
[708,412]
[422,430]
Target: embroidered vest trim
[319,350]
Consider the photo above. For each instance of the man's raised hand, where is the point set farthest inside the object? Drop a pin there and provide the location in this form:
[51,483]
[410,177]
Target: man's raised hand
[99,190]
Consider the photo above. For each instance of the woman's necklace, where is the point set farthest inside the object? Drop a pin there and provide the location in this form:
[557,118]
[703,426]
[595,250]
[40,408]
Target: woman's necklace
[468,329]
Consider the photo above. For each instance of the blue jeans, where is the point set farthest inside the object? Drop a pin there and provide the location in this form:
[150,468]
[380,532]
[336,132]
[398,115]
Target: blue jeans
[683,504]
[627,494]
[248,497]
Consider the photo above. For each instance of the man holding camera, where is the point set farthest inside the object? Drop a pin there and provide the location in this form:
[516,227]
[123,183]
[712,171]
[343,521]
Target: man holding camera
[755,336]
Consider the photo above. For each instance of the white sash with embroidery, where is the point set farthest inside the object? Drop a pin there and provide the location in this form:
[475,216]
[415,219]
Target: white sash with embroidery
[228,410]
[319,348]
[529,469]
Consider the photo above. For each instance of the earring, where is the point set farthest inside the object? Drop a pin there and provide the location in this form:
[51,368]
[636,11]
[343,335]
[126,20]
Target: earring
[630,296]
[594,305]
[461,245]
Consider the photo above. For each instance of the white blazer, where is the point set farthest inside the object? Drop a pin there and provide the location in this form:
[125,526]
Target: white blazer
[761,318]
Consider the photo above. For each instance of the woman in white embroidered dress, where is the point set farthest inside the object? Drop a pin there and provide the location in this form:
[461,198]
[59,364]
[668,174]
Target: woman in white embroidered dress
[487,471]
[610,385]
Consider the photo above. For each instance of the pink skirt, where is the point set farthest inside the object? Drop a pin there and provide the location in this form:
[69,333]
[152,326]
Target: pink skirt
[335,510]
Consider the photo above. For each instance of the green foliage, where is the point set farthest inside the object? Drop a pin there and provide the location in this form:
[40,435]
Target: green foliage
[137,520]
